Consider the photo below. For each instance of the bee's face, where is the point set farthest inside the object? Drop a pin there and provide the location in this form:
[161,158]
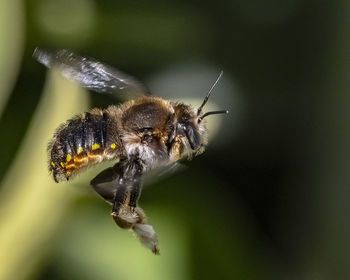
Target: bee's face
[190,131]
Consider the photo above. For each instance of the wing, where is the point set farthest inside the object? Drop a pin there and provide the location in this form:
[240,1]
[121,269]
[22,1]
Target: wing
[121,186]
[162,172]
[89,73]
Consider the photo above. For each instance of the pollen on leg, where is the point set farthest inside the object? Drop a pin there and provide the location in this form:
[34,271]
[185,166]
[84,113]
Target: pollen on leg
[53,164]
[113,146]
[79,150]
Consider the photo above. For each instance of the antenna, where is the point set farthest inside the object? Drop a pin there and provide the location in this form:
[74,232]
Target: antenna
[208,95]
[212,113]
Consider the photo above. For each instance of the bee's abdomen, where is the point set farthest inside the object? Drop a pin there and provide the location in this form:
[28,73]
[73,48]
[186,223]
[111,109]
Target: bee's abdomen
[82,141]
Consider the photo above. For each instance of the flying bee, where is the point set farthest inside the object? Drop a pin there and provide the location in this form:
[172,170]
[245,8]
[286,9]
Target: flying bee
[144,134]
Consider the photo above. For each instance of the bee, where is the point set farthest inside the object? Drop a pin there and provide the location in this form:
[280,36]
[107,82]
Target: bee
[144,133]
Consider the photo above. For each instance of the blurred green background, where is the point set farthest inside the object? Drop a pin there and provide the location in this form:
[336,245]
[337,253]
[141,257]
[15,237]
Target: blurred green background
[270,197]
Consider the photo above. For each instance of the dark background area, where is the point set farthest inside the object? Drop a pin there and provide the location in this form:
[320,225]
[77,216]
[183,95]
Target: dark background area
[269,202]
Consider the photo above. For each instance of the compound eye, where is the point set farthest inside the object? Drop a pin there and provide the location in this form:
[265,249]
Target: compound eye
[191,134]
[193,137]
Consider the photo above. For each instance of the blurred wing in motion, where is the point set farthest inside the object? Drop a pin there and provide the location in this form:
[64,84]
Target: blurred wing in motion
[89,73]
[162,172]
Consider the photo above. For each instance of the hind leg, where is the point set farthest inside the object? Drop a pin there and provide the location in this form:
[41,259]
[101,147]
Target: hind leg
[122,189]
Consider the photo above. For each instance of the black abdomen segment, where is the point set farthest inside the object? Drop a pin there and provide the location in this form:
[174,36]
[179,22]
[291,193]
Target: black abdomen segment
[82,141]
[92,132]
[84,133]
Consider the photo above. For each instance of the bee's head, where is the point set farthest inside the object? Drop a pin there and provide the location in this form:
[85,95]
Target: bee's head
[190,125]
[193,134]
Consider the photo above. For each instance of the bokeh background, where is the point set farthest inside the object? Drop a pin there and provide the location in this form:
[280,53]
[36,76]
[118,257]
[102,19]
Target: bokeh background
[270,197]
